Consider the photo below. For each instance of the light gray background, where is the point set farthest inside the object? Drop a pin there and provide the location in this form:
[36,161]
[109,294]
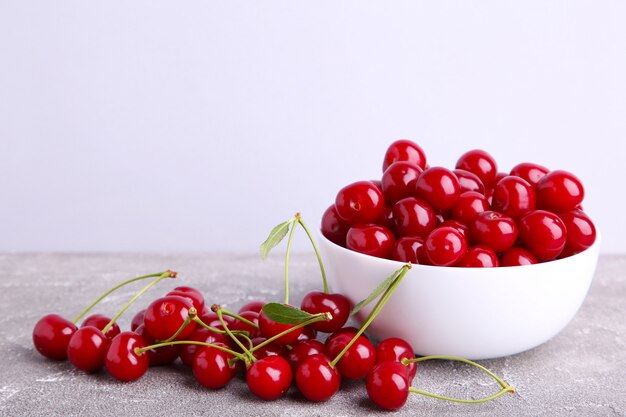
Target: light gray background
[169,126]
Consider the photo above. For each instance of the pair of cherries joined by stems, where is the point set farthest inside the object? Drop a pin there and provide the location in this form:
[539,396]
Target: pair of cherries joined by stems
[275,343]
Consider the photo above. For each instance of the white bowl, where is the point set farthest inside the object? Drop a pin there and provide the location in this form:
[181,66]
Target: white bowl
[475,313]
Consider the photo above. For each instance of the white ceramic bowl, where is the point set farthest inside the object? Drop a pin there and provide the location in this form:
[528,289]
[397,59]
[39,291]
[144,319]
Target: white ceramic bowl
[475,313]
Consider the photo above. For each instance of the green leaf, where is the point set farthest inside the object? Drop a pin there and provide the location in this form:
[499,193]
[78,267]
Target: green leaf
[277,234]
[284,314]
[381,288]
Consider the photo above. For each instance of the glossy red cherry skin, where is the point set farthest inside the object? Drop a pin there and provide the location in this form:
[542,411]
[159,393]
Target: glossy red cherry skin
[399,181]
[480,163]
[513,196]
[210,318]
[255,306]
[581,232]
[307,334]
[409,249]
[87,349]
[160,356]
[532,173]
[517,256]
[270,328]
[210,367]
[396,349]
[165,315]
[243,326]
[334,228]
[370,239]
[269,378]
[445,246]
[137,319]
[479,256]
[413,217]
[559,191]
[51,335]
[493,229]
[543,234]
[468,181]
[461,227]
[404,150]
[187,352]
[121,360]
[439,187]
[271,349]
[316,379]
[387,385]
[336,304]
[196,297]
[360,202]
[302,350]
[468,206]
[100,321]
[358,359]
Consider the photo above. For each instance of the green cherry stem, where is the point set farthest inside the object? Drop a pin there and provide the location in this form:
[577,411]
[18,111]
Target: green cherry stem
[213,329]
[505,387]
[238,317]
[92,305]
[191,315]
[317,252]
[377,308]
[166,274]
[287,252]
[140,351]
[317,317]
[246,351]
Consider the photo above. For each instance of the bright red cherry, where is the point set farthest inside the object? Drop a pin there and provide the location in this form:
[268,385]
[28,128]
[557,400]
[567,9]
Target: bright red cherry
[191,293]
[51,336]
[121,360]
[581,232]
[302,350]
[387,385]
[543,234]
[137,319]
[409,249]
[517,256]
[165,315]
[307,334]
[513,196]
[479,256]
[334,228]
[445,246]
[468,206]
[396,349]
[160,356]
[87,348]
[413,217]
[480,163]
[360,202]
[270,328]
[469,181]
[461,227]
[100,321]
[358,359]
[210,367]
[404,150]
[439,187]
[187,352]
[370,239]
[559,191]
[210,318]
[496,230]
[269,378]
[532,173]
[316,379]
[271,349]
[399,181]
[339,339]
[242,325]
[337,305]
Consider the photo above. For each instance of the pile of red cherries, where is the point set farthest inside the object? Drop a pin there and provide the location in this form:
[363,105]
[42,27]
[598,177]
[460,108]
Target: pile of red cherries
[471,216]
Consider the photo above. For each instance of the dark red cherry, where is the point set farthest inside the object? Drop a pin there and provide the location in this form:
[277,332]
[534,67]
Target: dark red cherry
[51,336]
[581,232]
[87,348]
[358,359]
[480,163]
[559,191]
[479,256]
[137,319]
[270,328]
[164,355]
[334,228]
[387,385]
[468,206]
[271,349]
[445,246]
[360,202]
[316,379]
[100,321]
[165,315]
[399,181]
[543,234]
[337,305]
[439,187]
[269,378]
[307,334]
[532,173]
[396,349]
[513,196]
[387,219]
[210,319]
[496,230]
[255,306]
[469,181]
[517,256]
[196,297]
[370,239]
[303,349]
[210,366]
[413,217]
[187,352]
[121,360]
[404,150]
[409,249]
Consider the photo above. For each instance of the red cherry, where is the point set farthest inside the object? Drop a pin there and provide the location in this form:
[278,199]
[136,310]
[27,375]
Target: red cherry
[51,336]
[337,305]
[165,316]
[210,367]
[316,379]
[271,349]
[121,360]
[358,359]
[513,196]
[378,184]
[404,150]
[469,205]
[413,217]
[210,319]
[255,306]
[543,234]
[387,385]
[303,349]
[269,378]
[469,181]
[307,334]
[370,239]
[164,355]
[559,191]
[100,321]
[338,340]
[187,352]
[517,256]
[461,227]
[479,256]
[396,349]
[387,219]
[270,328]
[581,233]
[439,187]
[137,319]
[480,163]
[445,246]
[409,249]
[334,228]
[495,230]
[87,348]
[360,202]
[399,181]
[532,173]
[242,325]
[196,297]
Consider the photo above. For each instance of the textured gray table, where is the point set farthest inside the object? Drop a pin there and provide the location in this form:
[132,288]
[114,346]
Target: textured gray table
[581,372]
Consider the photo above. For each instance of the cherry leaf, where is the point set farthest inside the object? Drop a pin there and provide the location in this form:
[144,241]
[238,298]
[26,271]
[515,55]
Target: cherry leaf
[284,314]
[381,288]
[277,234]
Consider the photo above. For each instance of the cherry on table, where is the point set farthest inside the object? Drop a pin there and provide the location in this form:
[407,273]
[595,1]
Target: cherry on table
[165,315]
[496,230]
[439,187]
[360,202]
[513,196]
[210,366]
[187,352]
[370,239]
[479,256]
[404,150]
[581,232]
[445,246]
[529,171]
[100,321]
[543,234]
[396,349]
[87,348]
[303,349]
[121,360]
[517,256]
[271,349]
[336,304]
[51,335]
[559,191]
[399,181]
[358,359]
[480,163]
[413,217]
[137,319]
[316,379]
[193,294]
[269,378]
[161,356]
[387,385]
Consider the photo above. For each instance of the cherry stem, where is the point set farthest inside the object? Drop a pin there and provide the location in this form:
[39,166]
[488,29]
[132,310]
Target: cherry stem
[191,315]
[293,228]
[141,351]
[505,387]
[92,305]
[216,330]
[377,308]
[166,274]
[238,317]
[317,317]
[317,252]
[218,311]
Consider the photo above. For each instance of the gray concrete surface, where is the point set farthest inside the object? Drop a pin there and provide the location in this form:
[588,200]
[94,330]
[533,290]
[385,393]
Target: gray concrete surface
[580,372]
